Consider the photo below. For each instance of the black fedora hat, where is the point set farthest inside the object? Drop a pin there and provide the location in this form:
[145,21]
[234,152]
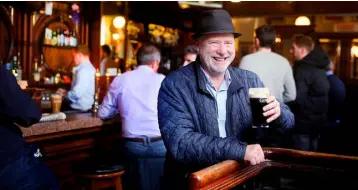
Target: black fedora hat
[215,22]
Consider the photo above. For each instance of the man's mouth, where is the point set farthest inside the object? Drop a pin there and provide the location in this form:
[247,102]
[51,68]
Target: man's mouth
[220,59]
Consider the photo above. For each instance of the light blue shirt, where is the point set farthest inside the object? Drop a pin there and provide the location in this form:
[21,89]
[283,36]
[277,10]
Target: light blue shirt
[82,87]
[134,95]
[220,98]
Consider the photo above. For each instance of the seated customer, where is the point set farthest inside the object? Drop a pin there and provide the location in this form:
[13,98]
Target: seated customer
[20,163]
[81,95]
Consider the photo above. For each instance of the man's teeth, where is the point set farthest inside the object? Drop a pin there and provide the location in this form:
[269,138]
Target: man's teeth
[219,59]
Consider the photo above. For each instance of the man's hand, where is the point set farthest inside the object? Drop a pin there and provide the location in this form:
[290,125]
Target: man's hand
[254,154]
[272,110]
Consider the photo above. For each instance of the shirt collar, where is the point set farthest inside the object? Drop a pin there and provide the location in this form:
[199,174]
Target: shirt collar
[329,73]
[227,78]
[144,68]
[83,64]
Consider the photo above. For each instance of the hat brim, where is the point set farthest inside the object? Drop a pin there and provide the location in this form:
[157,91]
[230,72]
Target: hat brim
[196,36]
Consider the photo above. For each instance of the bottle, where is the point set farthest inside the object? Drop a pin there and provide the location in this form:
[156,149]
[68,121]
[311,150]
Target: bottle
[19,72]
[119,72]
[42,68]
[58,37]
[19,69]
[57,78]
[14,66]
[35,71]
[54,38]
[74,38]
[71,39]
[62,36]
[67,43]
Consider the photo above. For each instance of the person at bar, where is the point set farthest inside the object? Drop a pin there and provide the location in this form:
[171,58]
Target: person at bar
[81,95]
[190,54]
[20,162]
[273,69]
[204,110]
[107,61]
[312,101]
[134,96]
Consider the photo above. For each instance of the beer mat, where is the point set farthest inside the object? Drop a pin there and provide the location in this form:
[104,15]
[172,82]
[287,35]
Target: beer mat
[53,117]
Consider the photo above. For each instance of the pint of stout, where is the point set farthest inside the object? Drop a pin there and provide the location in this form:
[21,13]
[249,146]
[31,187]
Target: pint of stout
[258,98]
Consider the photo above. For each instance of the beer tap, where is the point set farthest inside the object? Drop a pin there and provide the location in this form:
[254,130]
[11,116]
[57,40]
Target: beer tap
[96,101]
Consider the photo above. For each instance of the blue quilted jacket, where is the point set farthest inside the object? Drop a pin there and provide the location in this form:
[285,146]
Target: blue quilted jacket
[188,121]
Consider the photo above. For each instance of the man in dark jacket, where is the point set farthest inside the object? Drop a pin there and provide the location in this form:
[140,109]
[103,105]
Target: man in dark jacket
[337,95]
[311,104]
[20,164]
[204,110]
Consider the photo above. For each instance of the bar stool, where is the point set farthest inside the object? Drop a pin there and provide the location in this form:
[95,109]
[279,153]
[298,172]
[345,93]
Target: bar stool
[93,175]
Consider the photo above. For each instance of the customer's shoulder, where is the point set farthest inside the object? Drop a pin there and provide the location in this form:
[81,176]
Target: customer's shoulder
[182,74]
[242,73]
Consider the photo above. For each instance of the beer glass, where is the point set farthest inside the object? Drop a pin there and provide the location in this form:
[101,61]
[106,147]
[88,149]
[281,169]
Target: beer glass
[56,101]
[258,97]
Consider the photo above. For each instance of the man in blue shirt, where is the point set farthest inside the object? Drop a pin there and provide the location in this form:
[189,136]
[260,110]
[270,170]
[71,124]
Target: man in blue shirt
[81,95]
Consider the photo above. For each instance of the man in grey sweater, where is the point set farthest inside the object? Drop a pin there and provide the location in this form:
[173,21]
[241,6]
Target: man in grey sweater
[273,69]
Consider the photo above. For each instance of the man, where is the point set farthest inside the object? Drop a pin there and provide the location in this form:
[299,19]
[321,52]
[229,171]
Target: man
[311,104]
[134,96]
[190,54]
[203,109]
[81,95]
[273,69]
[107,61]
[20,163]
[337,95]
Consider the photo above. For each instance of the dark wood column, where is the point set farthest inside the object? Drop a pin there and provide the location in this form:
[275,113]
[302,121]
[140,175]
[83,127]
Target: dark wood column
[345,66]
[92,13]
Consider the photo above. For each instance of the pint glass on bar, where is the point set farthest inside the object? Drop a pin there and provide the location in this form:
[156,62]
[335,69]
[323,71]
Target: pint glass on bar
[258,97]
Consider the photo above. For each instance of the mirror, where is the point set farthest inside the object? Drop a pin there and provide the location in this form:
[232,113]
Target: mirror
[6,37]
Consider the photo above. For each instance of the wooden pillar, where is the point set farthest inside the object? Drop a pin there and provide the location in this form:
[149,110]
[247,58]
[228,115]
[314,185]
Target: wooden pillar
[345,62]
[92,18]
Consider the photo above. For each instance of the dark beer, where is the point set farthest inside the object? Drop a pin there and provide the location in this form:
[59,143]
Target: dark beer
[258,97]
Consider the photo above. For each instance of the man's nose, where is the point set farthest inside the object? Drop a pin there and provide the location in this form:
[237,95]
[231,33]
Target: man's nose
[222,50]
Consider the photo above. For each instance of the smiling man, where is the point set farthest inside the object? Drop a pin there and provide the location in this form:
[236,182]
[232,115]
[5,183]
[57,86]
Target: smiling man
[204,110]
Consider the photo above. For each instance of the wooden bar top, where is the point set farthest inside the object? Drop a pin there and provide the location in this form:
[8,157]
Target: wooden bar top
[72,123]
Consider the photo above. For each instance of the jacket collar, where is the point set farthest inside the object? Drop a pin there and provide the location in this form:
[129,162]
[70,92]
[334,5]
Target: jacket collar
[236,81]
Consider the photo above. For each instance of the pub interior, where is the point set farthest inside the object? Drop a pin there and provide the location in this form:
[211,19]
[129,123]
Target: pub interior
[37,41]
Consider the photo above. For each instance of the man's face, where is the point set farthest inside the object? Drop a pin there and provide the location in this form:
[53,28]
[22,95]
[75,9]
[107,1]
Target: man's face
[296,52]
[77,58]
[216,52]
[188,58]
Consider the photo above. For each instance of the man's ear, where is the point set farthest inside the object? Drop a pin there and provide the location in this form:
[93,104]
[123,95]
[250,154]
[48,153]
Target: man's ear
[256,41]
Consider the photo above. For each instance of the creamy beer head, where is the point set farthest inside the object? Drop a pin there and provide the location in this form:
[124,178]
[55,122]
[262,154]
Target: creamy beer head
[259,92]
[56,96]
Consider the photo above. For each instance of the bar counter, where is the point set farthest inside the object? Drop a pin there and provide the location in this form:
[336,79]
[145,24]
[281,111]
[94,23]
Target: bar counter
[73,122]
[65,143]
